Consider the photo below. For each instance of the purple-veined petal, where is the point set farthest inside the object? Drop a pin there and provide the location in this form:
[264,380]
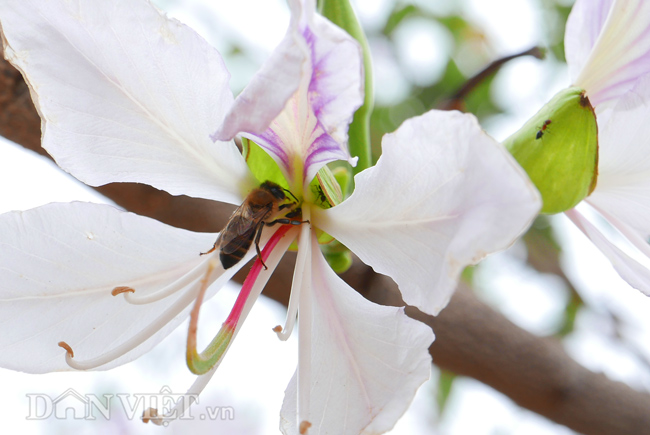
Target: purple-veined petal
[607,46]
[623,188]
[634,273]
[367,360]
[312,128]
[298,142]
[336,89]
[442,196]
[271,87]
[126,94]
[60,263]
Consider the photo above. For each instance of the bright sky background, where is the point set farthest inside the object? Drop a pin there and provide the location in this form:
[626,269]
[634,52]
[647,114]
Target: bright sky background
[258,367]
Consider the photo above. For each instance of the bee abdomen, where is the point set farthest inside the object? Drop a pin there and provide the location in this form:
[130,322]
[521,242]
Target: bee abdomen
[229,260]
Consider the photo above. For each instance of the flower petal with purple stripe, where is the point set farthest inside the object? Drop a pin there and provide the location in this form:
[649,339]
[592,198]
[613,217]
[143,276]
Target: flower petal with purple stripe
[608,46]
[299,144]
[312,128]
[336,89]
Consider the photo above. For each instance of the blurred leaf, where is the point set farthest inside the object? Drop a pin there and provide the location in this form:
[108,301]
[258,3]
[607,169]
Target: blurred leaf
[398,15]
[457,26]
[555,16]
[451,80]
[544,256]
[445,384]
[543,249]
[468,274]
[479,101]
[570,314]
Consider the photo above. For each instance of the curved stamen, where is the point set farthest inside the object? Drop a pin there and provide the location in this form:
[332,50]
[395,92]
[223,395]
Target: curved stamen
[136,340]
[251,290]
[298,276]
[190,278]
[252,287]
[122,289]
[304,339]
[67,348]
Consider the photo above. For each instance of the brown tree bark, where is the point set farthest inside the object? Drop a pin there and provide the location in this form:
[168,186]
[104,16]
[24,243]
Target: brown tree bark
[471,338]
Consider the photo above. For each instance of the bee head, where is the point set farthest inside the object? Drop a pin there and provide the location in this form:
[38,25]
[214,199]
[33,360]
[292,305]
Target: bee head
[274,189]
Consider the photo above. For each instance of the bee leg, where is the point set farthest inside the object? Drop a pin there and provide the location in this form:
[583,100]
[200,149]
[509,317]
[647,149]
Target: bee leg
[258,235]
[257,244]
[214,247]
[293,213]
[285,221]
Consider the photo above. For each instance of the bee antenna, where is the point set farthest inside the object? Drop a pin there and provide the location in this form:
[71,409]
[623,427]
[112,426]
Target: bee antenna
[289,192]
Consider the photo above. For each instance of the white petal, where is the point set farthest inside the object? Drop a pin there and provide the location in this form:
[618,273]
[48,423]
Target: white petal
[58,266]
[367,360]
[608,46]
[126,94]
[442,196]
[623,188]
[634,273]
[271,87]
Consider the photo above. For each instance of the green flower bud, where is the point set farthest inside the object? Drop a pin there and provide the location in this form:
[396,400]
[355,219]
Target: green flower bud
[338,256]
[558,148]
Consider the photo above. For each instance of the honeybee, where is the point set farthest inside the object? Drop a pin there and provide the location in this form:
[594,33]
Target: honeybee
[246,223]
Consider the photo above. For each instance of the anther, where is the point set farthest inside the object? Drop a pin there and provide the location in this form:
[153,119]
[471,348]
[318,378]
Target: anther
[277,329]
[122,289]
[304,427]
[67,348]
[151,414]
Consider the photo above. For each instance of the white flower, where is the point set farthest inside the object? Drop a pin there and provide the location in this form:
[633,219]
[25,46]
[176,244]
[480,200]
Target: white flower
[607,44]
[608,52]
[126,94]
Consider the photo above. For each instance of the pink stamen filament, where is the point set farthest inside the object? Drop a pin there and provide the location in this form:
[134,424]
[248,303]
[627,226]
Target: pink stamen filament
[271,257]
[233,317]
[215,351]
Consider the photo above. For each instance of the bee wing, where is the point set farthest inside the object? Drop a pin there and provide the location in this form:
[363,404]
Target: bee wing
[240,229]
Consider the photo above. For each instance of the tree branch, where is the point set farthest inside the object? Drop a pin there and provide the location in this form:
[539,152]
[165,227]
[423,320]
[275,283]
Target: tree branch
[472,339]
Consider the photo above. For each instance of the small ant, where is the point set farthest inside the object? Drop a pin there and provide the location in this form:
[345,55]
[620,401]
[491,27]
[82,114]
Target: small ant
[322,197]
[544,127]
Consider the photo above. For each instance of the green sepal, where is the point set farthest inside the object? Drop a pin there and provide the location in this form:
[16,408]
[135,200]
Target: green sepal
[558,148]
[261,164]
[325,192]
